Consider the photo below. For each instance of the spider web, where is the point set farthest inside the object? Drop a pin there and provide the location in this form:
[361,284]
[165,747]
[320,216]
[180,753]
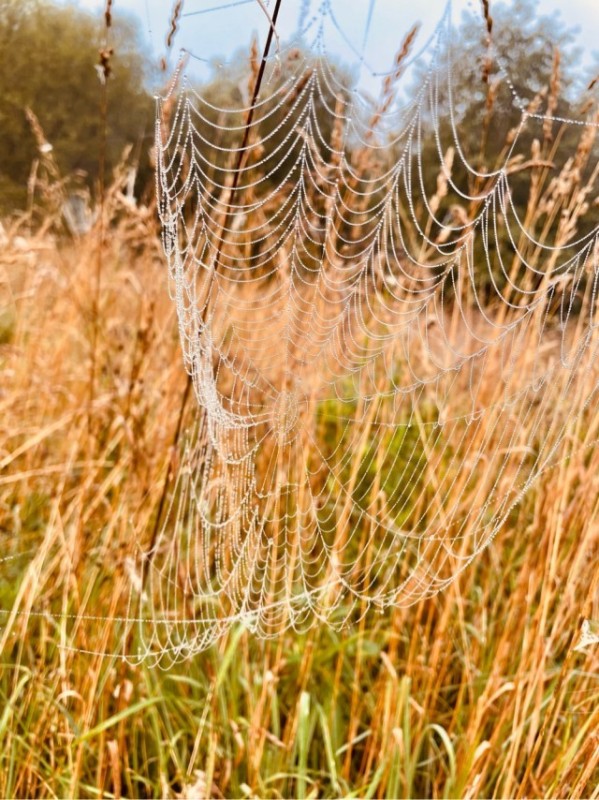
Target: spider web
[385,351]
[380,374]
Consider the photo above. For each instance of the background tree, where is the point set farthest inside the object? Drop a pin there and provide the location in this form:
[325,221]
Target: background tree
[50,58]
[544,65]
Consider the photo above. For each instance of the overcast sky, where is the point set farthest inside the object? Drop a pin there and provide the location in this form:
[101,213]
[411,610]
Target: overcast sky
[218,33]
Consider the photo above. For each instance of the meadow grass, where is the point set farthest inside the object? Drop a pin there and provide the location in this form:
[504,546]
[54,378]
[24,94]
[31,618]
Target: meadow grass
[477,692]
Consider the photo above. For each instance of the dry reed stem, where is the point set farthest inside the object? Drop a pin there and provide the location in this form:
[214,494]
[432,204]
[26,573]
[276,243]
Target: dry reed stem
[174,23]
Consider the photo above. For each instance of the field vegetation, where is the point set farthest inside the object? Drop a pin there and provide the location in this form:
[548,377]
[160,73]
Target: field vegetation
[488,689]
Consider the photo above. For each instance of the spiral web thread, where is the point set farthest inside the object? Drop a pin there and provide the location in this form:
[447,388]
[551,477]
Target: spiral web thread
[383,363]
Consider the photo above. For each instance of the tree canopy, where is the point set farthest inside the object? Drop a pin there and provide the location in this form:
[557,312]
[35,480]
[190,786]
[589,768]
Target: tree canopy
[51,65]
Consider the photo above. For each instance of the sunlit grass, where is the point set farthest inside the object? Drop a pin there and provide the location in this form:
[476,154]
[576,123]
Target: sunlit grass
[476,692]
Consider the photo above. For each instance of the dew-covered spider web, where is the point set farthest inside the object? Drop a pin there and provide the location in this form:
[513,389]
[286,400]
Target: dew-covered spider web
[385,351]
[389,337]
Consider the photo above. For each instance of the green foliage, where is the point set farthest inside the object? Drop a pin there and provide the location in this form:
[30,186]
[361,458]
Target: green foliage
[50,65]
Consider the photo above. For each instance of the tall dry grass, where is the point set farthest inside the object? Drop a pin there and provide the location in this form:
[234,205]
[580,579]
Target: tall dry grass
[478,692]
